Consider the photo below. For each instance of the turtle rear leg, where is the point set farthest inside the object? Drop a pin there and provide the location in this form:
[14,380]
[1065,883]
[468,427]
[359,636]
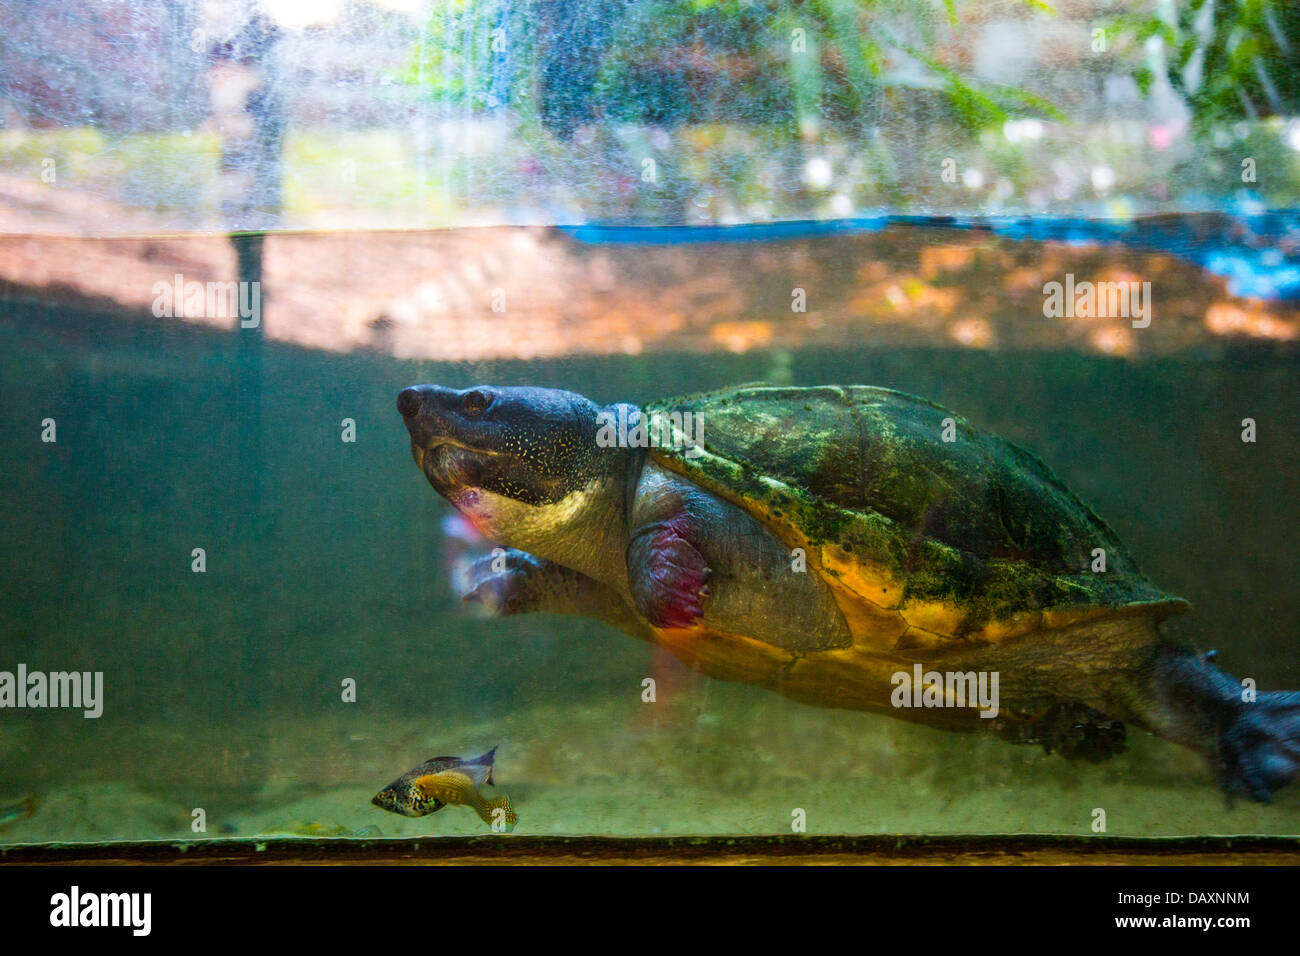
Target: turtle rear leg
[510,582]
[1252,740]
[1078,732]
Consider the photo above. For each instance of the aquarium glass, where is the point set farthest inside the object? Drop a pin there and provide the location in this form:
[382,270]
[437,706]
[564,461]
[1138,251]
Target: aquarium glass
[232,232]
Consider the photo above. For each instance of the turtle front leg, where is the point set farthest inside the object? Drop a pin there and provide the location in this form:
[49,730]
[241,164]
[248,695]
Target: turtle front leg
[516,582]
[695,560]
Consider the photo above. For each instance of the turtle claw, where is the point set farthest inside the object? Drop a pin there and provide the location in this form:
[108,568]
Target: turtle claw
[1260,752]
[503,583]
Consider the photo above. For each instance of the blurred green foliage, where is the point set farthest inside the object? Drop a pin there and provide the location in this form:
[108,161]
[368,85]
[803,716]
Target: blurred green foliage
[1231,59]
[452,62]
[780,63]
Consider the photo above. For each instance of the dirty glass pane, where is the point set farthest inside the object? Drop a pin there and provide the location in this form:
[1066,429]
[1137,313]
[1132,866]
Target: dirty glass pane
[120,116]
[232,232]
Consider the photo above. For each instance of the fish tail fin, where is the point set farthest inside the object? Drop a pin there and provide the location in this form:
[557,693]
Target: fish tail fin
[499,813]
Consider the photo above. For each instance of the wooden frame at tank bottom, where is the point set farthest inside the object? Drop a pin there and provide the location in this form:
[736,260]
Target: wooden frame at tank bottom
[780,850]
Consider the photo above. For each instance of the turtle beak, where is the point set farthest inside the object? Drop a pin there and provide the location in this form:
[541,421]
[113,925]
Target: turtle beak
[415,404]
[410,403]
[424,409]
[448,441]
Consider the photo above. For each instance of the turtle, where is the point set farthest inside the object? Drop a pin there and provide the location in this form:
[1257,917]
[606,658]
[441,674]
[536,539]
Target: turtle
[845,546]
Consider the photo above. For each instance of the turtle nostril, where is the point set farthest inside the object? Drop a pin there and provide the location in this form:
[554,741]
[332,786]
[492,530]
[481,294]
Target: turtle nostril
[409,401]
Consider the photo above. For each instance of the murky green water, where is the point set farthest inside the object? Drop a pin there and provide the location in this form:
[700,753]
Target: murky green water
[326,562]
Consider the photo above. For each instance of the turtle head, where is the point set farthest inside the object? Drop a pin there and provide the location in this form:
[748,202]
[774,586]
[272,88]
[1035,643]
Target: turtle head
[505,457]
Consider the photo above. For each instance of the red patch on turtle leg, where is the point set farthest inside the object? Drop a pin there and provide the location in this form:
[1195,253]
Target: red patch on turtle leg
[668,575]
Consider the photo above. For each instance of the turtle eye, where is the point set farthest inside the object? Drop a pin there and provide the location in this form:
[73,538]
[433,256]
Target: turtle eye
[475,403]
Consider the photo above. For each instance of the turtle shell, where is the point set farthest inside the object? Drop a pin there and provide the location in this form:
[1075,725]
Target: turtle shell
[925,542]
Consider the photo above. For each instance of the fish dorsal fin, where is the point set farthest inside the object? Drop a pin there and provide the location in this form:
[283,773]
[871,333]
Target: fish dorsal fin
[437,764]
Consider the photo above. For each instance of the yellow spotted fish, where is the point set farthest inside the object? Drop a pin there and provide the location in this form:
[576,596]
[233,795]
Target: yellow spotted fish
[440,781]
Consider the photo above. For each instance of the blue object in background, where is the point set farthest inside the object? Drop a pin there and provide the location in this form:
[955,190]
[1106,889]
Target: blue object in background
[1257,252]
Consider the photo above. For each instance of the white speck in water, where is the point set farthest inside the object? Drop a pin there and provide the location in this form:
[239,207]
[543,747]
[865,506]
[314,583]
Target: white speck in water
[817,173]
[1103,178]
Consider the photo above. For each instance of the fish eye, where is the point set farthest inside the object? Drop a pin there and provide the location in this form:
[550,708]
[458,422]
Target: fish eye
[476,402]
